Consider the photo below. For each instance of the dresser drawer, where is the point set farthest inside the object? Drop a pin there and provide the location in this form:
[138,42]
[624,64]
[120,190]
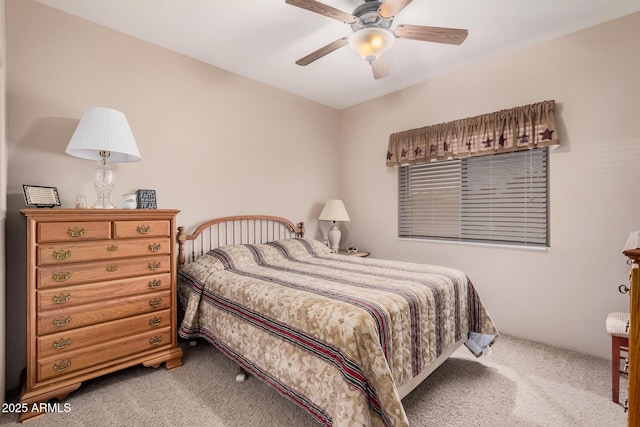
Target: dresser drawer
[94,356]
[67,252]
[75,339]
[75,317]
[71,274]
[128,229]
[71,296]
[72,231]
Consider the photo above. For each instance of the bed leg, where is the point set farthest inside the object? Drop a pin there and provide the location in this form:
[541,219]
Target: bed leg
[241,375]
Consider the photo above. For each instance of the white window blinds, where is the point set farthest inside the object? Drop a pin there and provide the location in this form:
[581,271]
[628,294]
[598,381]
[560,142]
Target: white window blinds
[493,199]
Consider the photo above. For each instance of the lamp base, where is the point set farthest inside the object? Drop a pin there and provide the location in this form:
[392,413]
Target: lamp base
[334,237]
[103,180]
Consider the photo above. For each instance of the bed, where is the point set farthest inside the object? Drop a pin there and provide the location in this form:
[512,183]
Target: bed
[343,337]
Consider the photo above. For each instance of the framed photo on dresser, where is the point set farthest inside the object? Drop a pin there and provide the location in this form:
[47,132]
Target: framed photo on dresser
[41,197]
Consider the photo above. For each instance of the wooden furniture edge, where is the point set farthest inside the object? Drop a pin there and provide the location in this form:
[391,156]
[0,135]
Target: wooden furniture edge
[68,212]
[634,342]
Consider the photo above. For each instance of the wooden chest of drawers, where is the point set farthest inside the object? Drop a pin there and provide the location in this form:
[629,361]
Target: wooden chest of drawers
[101,296]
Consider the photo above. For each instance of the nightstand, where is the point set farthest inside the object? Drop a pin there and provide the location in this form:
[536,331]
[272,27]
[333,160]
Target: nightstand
[358,253]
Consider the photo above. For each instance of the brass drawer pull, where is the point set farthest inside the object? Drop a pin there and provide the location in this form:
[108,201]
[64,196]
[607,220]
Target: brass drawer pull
[143,229]
[154,247]
[155,321]
[155,302]
[62,367]
[154,265]
[62,322]
[61,277]
[62,298]
[155,340]
[112,268]
[61,254]
[59,345]
[75,232]
[112,248]
[155,284]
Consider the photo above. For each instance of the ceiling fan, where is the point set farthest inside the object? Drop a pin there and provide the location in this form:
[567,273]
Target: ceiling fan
[372,33]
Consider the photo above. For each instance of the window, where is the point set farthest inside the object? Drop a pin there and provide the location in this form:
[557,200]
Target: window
[499,198]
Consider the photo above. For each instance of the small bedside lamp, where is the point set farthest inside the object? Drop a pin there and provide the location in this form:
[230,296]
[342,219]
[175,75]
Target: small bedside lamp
[103,134]
[334,210]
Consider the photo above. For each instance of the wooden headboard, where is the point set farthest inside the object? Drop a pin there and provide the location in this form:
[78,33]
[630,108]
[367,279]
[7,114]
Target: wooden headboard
[232,230]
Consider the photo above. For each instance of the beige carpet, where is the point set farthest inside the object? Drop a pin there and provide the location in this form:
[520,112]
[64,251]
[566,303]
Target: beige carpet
[521,384]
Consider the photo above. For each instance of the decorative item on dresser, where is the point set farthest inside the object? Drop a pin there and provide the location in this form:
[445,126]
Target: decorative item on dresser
[101,296]
[41,197]
[632,250]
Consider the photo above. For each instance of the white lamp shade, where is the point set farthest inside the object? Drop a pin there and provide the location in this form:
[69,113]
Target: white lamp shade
[334,210]
[633,241]
[103,129]
[370,43]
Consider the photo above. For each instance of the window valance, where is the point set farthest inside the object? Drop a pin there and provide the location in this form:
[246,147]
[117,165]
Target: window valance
[516,129]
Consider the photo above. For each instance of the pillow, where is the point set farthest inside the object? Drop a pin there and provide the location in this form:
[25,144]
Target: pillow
[301,248]
[235,256]
[247,255]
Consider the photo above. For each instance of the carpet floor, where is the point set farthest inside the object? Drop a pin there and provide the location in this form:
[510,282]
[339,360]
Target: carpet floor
[522,383]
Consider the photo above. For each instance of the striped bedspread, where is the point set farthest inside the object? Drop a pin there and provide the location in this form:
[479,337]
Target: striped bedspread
[335,334]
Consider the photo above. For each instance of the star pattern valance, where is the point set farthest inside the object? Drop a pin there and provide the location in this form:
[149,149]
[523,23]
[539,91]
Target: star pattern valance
[519,128]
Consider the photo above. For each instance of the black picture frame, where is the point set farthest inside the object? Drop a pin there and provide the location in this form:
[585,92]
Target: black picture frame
[147,199]
[40,196]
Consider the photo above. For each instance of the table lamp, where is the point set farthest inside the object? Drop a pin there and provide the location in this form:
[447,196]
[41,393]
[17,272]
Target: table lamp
[334,210]
[103,134]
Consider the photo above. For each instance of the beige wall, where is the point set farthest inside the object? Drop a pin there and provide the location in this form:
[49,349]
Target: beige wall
[560,296]
[212,143]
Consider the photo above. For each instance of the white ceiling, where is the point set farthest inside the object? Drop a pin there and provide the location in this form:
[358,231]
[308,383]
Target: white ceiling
[262,39]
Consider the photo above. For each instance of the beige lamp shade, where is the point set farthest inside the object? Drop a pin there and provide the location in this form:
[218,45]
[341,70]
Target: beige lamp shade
[334,210]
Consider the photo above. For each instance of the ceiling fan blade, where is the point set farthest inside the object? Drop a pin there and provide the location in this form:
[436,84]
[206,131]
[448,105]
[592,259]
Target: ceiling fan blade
[380,68]
[323,9]
[391,8]
[313,56]
[431,34]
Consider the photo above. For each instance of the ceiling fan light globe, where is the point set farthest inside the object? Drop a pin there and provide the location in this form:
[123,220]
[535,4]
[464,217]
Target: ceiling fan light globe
[370,43]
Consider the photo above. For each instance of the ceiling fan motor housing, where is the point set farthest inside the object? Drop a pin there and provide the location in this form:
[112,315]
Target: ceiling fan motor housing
[367,14]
